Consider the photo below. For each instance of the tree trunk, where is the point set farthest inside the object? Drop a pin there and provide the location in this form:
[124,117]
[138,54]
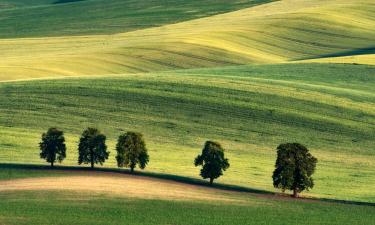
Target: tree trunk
[295,193]
[92,158]
[51,164]
[211,181]
[132,169]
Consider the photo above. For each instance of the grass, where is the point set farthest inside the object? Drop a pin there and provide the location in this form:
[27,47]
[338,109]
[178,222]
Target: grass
[104,207]
[42,18]
[170,70]
[276,32]
[11,172]
[79,208]
[249,109]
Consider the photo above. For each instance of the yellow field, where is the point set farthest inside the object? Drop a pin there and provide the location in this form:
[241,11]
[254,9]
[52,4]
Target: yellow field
[121,185]
[359,59]
[283,31]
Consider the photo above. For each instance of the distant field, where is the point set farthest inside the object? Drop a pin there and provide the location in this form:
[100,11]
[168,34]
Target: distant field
[249,109]
[33,204]
[41,18]
[276,32]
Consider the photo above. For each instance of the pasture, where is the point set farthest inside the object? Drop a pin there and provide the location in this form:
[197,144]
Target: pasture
[249,109]
[66,203]
[253,35]
[248,74]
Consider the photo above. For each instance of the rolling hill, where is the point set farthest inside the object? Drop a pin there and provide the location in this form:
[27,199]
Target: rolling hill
[277,32]
[84,198]
[250,74]
[41,18]
[250,109]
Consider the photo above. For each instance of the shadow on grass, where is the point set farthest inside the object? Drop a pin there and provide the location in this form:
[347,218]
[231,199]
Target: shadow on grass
[66,1]
[171,177]
[359,51]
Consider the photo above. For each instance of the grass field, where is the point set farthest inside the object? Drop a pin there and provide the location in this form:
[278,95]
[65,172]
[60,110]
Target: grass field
[97,206]
[249,109]
[250,74]
[41,18]
[253,35]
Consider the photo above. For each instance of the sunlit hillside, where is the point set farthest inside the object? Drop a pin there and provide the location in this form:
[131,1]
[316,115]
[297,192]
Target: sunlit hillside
[277,32]
[184,112]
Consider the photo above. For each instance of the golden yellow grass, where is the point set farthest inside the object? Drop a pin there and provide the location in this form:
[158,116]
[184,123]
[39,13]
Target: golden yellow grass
[120,185]
[277,32]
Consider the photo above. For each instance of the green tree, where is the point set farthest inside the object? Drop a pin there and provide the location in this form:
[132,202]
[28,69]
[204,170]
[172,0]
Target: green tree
[53,146]
[294,168]
[131,151]
[213,161]
[92,148]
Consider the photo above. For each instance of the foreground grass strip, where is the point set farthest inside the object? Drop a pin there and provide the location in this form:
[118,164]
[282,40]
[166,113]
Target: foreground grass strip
[31,207]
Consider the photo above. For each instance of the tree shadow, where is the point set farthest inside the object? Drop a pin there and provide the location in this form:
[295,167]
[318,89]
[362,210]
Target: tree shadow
[66,1]
[177,178]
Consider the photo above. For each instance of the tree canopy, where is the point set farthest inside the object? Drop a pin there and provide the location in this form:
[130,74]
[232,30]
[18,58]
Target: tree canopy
[212,160]
[131,151]
[53,146]
[294,168]
[92,148]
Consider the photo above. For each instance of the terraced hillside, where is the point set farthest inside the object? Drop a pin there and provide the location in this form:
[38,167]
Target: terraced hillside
[276,32]
[249,109]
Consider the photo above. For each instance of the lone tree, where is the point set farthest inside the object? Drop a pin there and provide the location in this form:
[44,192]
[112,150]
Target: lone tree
[53,146]
[131,151]
[92,148]
[213,161]
[294,167]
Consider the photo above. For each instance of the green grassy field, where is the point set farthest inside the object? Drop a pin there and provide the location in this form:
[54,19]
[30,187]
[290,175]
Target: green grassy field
[249,109]
[43,18]
[250,74]
[252,35]
[71,207]
[80,208]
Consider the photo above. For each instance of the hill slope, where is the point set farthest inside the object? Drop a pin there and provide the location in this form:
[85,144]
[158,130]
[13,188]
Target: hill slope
[249,109]
[43,18]
[277,32]
[73,196]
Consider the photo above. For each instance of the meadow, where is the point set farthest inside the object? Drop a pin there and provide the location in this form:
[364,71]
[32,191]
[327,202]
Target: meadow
[249,74]
[249,109]
[41,18]
[104,206]
[78,208]
[250,35]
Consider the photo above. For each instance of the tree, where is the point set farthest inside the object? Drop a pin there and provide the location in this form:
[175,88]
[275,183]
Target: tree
[53,146]
[294,168]
[213,161]
[92,148]
[131,151]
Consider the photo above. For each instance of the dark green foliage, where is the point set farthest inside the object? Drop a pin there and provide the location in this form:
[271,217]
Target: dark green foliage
[92,148]
[213,161]
[294,167]
[53,146]
[131,151]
